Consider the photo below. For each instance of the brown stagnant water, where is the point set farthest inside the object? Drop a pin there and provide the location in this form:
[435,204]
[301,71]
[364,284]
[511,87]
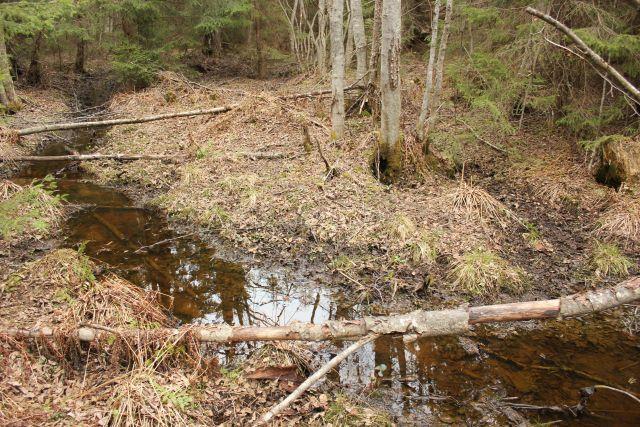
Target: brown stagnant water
[424,380]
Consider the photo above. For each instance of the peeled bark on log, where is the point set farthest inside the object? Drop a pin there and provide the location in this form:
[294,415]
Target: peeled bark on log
[595,59]
[89,157]
[115,122]
[419,322]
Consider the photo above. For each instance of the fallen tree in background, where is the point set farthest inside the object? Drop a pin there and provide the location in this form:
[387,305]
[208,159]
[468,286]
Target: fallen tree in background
[594,59]
[419,322]
[115,122]
[88,157]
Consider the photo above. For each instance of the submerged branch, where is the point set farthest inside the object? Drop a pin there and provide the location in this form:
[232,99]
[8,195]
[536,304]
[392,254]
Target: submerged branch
[419,322]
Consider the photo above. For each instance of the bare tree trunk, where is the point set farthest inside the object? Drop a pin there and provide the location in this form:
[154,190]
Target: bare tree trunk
[4,100]
[322,37]
[359,38]
[374,58]
[257,27]
[80,56]
[428,83]
[34,74]
[596,60]
[7,93]
[337,69]
[442,51]
[348,50]
[390,155]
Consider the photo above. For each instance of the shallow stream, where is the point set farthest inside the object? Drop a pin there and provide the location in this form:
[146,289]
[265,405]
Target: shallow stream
[446,379]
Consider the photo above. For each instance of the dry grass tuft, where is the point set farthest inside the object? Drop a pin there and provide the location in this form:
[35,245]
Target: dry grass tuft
[32,211]
[475,203]
[482,272]
[9,136]
[61,290]
[283,354]
[608,260]
[621,222]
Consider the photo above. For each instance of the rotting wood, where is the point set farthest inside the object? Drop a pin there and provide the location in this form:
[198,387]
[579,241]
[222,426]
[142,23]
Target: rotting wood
[595,59]
[116,122]
[419,322]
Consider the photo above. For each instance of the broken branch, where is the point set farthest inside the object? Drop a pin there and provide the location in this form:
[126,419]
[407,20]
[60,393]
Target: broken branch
[315,378]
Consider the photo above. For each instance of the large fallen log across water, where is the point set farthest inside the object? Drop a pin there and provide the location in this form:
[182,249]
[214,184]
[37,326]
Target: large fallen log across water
[419,322]
[115,122]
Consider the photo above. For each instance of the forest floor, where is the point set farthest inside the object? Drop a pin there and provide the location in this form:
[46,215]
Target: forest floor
[531,219]
[526,223]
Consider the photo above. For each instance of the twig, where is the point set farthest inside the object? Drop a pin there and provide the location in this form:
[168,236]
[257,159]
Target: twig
[606,387]
[161,242]
[315,378]
[479,138]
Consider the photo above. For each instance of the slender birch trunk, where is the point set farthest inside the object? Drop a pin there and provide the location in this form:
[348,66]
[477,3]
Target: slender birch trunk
[442,50]
[337,69]
[322,37]
[374,58]
[348,50]
[359,38]
[428,84]
[390,156]
[8,92]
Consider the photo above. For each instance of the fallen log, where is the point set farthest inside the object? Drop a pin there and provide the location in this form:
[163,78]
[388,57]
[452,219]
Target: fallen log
[595,59]
[419,322]
[89,157]
[115,122]
[132,157]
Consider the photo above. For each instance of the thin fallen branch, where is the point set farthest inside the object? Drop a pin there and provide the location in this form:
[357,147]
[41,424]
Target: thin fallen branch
[314,379]
[626,393]
[146,248]
[115,122]
[481,139]
[592,56]
[354,86]
[419,322]
[90,157]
